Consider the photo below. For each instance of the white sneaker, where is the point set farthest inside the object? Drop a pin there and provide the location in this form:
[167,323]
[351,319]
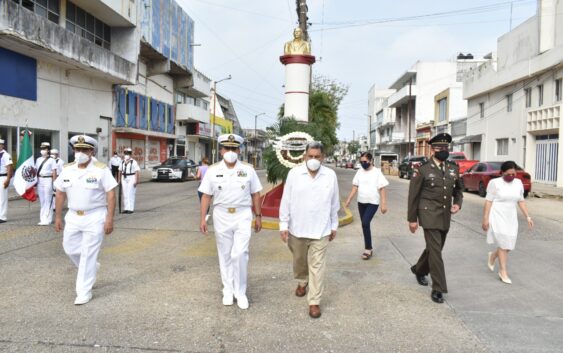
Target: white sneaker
[42,224]
[228,299]
[242,302]
[83,300]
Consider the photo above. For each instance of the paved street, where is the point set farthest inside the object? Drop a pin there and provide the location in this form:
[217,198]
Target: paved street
[158,289]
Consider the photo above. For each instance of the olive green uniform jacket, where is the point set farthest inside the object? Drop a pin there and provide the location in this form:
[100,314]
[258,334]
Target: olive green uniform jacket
[431,193]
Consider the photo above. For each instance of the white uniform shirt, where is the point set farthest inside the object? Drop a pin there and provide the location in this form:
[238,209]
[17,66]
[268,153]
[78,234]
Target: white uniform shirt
[115,161]
[369,182]
[231,187]
[48,167]
[129,167]
[309,206]
[60,165]
[5,161]
[86,188]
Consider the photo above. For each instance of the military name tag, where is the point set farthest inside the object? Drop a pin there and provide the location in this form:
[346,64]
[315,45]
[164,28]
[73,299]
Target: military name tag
[219,175]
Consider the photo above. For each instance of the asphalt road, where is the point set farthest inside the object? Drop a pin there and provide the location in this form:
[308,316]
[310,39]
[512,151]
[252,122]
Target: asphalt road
[158,289]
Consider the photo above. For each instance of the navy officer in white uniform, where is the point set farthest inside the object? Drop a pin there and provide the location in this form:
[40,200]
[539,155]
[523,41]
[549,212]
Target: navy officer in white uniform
[90,189]
[235,189]
[6,172]
[46,174]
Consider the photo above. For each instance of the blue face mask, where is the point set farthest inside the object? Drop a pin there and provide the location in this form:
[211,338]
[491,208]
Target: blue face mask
[365,165]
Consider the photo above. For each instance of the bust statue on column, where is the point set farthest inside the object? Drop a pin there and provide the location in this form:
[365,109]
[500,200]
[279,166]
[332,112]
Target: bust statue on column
[297,46]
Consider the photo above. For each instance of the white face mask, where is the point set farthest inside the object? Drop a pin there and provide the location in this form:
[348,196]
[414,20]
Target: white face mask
[44,153]
[313,164]
[81,157]
[127,157]
[230,157]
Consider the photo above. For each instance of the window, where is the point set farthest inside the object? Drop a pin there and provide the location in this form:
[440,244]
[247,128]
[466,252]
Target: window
[509,102]
[205,105]
[87,26]
[528,94]
[180,98]
[442,109]
[558,88]
[540,95]
[44,8]
[481,110]
[502,147]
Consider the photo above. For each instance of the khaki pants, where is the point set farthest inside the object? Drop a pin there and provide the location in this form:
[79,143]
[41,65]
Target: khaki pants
[309,263]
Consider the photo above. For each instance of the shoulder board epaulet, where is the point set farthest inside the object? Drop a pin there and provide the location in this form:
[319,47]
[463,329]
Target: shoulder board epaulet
[100,165]
[69,164]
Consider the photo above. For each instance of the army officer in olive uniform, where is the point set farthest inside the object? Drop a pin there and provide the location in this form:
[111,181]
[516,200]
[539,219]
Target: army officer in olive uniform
[435,194]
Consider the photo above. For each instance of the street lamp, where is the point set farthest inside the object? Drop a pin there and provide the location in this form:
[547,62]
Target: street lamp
[213,152]
[255,141]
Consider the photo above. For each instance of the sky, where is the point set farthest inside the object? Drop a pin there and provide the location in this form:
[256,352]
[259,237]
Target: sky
[358,43]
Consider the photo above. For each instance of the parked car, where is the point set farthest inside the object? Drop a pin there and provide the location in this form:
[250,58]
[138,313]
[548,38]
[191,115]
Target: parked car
[461,160]
[349,164]
[175,168]
[408,164]
[478,176]
[358,165]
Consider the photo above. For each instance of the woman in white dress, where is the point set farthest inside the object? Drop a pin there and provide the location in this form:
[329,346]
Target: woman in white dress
[500,218]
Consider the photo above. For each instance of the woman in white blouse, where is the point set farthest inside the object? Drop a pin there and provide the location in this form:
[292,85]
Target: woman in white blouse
[370,185]
[500,218]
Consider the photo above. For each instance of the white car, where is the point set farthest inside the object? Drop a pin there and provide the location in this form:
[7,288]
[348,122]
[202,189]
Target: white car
[358,165]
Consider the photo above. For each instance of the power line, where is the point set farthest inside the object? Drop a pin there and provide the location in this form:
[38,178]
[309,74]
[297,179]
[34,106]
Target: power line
[259,14]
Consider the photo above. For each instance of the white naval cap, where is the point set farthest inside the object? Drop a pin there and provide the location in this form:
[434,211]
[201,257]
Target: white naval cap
[55,151]
[2,142]
[128,150]
[83,141]
[230,140]
[45,145]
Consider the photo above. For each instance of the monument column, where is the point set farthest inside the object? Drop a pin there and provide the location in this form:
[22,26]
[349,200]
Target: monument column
[297,83]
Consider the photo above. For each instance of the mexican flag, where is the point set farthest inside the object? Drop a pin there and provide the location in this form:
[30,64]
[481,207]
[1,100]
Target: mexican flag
[26,174]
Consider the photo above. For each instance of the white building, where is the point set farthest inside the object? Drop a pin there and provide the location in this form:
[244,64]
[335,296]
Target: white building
[58,66]
[515,102]
[381,117]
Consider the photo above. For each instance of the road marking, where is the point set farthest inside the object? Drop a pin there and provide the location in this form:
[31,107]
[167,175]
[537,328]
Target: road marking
[139,242]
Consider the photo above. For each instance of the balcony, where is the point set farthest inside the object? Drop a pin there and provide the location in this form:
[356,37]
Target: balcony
[191,113]
[29,34]
[544,120]
[401,96]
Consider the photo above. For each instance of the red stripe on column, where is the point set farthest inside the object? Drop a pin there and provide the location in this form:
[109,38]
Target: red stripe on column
[300,92]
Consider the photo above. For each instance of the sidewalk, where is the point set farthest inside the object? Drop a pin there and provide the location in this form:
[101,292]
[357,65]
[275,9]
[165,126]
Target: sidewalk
[546,191]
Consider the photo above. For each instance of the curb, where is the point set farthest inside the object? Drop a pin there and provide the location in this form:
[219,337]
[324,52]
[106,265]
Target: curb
[274,224]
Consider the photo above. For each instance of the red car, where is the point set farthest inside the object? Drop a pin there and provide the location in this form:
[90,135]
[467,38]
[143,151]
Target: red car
[349,164]
[477,177]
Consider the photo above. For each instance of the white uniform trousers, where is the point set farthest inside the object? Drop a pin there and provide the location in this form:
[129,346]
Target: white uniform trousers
[232,234]
[128,192]
[3,199]
[82,241]
[45,193]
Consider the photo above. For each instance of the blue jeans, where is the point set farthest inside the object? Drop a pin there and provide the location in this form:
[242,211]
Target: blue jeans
[367,211]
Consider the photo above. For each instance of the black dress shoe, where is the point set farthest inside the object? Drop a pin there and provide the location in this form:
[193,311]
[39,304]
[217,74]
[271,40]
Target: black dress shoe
[437,297]
[420,279]
[2,221]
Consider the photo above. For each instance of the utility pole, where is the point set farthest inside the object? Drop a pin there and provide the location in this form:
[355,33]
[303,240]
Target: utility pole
[302,17]
[409,118]
[255,138]
[215,102]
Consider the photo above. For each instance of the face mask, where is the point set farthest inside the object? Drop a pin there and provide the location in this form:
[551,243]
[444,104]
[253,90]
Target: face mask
[313,164]
[127,157]
[81,157]
[365,165]
[442,155]
[230,157]
[508,178]
[44,153]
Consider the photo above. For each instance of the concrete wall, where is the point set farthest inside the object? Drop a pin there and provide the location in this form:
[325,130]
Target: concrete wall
[519,44]
[68,101]
[159,87]
[431,79]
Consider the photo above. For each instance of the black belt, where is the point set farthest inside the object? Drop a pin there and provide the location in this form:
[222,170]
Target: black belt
[5,174]
[128,174]
[45,176]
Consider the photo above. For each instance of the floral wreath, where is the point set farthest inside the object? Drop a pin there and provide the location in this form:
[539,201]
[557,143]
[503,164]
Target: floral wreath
[296,142]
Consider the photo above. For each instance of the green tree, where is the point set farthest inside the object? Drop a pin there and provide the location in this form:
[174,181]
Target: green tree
[353,147]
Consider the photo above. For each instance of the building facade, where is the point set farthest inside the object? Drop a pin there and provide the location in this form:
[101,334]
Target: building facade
[59,62]
[515,100]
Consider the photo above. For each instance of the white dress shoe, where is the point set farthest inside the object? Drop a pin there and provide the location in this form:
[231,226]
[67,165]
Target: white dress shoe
[228,299]
[504,279]
[490,263]
[242,302]
[83,300]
